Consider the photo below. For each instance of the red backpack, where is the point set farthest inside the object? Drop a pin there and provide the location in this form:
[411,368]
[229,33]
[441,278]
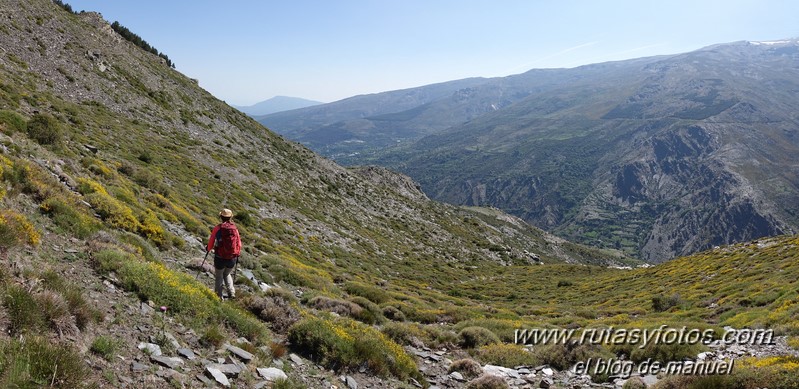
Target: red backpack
[225,242]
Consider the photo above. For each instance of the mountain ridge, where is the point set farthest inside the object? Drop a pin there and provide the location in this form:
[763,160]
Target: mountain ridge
[276,104]
[583,146]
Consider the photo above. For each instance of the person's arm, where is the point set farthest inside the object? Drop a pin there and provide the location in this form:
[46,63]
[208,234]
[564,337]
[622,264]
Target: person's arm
[211,239]
[238,241]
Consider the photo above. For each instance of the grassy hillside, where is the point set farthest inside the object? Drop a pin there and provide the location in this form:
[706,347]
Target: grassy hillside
[113,169]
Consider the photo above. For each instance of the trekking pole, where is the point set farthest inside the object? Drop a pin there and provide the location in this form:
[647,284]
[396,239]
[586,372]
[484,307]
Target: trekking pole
[201,266]
[236,268]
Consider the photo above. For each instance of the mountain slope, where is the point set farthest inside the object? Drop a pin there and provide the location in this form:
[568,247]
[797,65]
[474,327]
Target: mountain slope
[276,104]
[114,166]
[658,156]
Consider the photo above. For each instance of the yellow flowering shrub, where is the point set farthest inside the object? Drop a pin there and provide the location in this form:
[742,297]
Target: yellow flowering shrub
[88,186]
[346,343]
[15,229]
[152,229]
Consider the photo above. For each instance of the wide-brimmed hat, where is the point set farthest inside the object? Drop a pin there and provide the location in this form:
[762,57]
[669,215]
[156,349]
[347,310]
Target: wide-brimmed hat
[226,213]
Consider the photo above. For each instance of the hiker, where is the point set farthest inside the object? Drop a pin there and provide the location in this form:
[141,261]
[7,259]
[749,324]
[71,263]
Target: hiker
[226,243]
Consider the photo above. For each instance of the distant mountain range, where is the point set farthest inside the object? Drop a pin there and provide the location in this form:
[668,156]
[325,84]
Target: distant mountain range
[276,104]
[658,156]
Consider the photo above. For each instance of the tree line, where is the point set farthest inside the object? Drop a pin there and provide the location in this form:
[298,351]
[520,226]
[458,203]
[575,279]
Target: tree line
[125,33]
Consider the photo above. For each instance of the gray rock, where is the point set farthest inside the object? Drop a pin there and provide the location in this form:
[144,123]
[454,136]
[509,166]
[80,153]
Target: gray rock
[172,340]
[247,273]
[351,383]
[150,348]
[500,371]
[650,380]
[271,373]
[240,353]
[137,367]
[546,383]
[524,371]
[145,309]
[204,380]
[278,363]
[264,287]
[170,362]
[186,353]
[218,376]
[228,369]
[296,359]
[260,385]
[456,376]
[548,371]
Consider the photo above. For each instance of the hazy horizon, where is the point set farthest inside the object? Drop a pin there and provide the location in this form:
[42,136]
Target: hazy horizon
[250,51]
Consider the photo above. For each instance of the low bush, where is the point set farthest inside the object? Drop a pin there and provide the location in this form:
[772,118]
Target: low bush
[469,368]
[45,129]
[104,347]
[70,216]
[634,383]
[33,361]
[275,310]
[507,355]
[12,122]
[345,343]
[82,312]
[18,304]
[373,293]
[404,333]
[370,312]
[472,337]
[662,303]
[339,307]
[16,230]
[564,356]
[213,336]
[392,313]
[56,312]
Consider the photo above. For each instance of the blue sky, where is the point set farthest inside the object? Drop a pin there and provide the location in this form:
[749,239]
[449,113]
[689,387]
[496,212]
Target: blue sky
[246,51]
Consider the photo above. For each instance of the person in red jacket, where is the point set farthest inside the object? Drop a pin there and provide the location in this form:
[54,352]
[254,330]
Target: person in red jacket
[226,243]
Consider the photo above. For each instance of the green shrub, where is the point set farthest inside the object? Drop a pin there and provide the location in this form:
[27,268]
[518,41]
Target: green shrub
[468,367]
[370,312]
[244,323]
[634,383]
[70,217]
[563,356]
[12,121]
[339,307]
[471,337]
[105,347]
[45,129]
[345,343]
[213,336]
[661,303]
[403,333]
[507,355]
[18,304]
[373,293]
[56,312]
[392,313]
[33,361]
[665,352]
